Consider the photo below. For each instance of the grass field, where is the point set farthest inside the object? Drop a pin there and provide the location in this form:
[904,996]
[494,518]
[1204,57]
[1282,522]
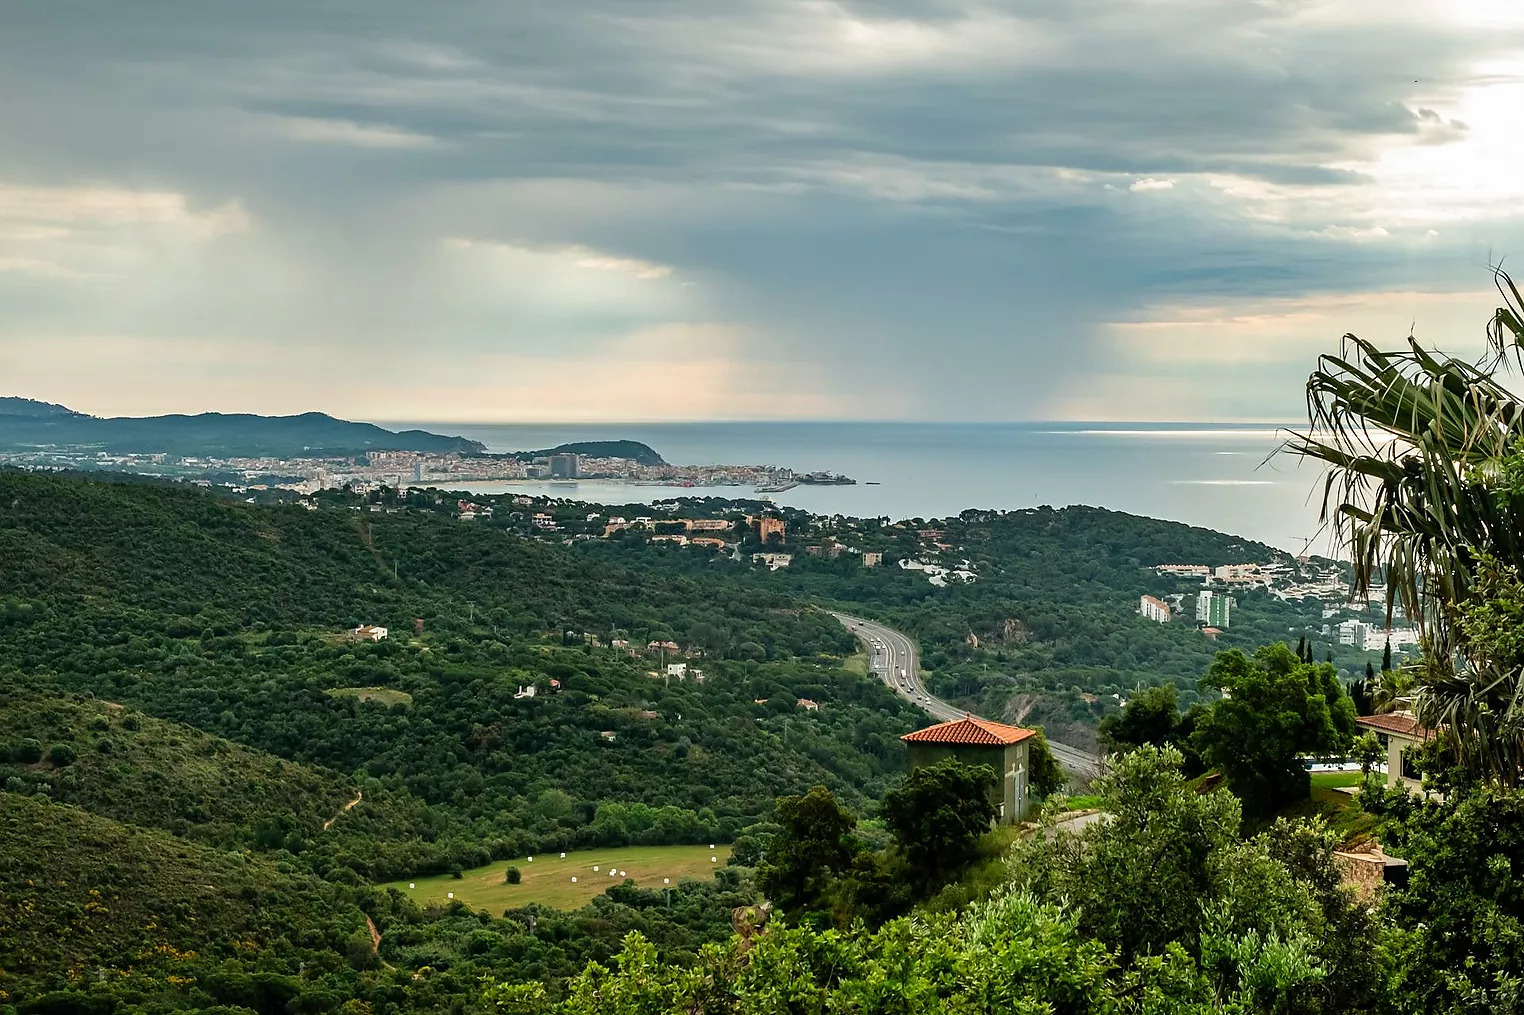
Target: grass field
[548,878]
[856,664]
[1339,809]
[1330,780]
[384,695]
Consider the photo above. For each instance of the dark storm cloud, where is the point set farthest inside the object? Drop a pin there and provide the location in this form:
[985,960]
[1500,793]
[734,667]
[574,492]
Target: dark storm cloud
[929,195]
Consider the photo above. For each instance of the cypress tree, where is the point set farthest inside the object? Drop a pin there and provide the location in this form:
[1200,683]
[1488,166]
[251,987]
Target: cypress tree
[1386,657]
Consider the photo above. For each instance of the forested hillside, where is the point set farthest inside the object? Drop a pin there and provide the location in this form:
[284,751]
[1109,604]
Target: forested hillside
[230,618]
[84,895]
[181,661]
[122,764]
[1049,632]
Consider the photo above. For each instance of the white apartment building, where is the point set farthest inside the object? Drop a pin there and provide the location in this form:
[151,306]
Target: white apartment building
[1214,609]
[1371,638]
[1153,609]
[1352,632]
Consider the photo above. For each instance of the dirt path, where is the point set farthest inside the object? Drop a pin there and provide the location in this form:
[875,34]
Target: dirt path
[375,943]
[349,806]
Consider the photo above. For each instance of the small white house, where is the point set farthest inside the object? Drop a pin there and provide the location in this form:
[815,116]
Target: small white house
[525,692]
[366,632]
[678,670]
[1398,732]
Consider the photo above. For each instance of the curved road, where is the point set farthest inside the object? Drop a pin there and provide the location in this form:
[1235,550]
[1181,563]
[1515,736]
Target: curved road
[892,658]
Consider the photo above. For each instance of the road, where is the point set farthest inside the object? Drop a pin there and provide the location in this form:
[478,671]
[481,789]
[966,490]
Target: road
[893,659]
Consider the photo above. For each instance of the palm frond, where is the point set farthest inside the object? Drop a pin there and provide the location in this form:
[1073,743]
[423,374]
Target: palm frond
[1415,445]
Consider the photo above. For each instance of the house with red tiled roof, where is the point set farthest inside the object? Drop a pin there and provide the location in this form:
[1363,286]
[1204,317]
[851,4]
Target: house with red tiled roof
[1398,733]
[975,741]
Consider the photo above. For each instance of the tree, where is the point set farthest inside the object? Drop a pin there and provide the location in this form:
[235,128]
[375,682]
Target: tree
[1140,878]
[938,814]
[812,846]
[1361,691]
[1168,875]
[1045,775]
[1367,750]
[1149,717]
[1275,710]
[513,875]
[1425,486]
[1012,952]
[1458,937]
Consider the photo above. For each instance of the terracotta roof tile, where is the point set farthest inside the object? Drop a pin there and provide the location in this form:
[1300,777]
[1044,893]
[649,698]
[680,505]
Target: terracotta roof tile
[1401,723]
[969,730]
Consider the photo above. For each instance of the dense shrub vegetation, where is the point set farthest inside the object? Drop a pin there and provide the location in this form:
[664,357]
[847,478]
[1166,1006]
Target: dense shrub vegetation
[202,779]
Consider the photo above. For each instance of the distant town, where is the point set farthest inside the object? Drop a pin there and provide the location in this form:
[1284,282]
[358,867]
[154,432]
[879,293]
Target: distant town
[1303,578]
[366,472]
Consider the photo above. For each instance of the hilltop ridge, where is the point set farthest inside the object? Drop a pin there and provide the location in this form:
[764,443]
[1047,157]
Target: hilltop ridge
[28,423]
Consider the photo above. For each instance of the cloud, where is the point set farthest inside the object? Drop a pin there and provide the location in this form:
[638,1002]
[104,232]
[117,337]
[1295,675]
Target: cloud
[348,132]
[670,372]
[955,204]
[1355,233]
[628,265]
[114,206]
[37,266]
[55,235]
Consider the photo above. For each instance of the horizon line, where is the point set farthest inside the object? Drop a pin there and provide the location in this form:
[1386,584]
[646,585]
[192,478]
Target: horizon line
[846,421]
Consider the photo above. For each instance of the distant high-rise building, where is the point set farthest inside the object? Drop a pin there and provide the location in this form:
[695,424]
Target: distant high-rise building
[1214,609]
[1353,632]
[565,466]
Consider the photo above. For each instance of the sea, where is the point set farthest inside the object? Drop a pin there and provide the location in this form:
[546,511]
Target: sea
[1231,478]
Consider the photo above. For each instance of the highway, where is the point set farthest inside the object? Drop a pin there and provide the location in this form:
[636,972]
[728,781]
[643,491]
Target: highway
[892,658]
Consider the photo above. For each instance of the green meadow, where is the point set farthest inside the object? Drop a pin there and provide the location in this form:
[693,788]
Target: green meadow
[547,879]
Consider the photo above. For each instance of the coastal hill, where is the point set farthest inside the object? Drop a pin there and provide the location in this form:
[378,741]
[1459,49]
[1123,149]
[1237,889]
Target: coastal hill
[634,451]
[27,424]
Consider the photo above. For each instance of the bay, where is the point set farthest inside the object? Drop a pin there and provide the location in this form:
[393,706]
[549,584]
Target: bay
[1224,477]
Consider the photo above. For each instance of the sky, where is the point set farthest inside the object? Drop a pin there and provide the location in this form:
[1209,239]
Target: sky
[543,210]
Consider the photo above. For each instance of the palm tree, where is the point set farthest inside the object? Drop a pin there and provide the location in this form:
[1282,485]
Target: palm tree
[1391,690]
[1425,484]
